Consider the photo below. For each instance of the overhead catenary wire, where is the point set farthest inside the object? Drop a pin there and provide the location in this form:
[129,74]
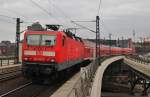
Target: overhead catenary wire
[6,21]
[103,25]
[57,8]
[17,13]
[36,4]
[98,12]
[5,16]
[99,7]
[43,9]
[60,11]
[83,27]
[13,18]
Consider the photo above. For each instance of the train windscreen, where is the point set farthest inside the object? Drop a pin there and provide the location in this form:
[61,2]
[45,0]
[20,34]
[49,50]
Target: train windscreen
[41,40]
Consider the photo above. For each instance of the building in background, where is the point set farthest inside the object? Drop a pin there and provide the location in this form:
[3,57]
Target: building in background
[7,48]
[3,48]
[142,47]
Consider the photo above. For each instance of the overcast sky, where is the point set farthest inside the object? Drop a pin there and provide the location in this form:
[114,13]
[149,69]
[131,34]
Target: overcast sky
[119,17]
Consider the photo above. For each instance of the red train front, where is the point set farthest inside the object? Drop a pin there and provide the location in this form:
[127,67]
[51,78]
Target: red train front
[45,52]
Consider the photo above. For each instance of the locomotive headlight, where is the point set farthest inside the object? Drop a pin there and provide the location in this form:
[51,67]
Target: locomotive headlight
[52,60]
[25,59]
[29,52]
[46,53]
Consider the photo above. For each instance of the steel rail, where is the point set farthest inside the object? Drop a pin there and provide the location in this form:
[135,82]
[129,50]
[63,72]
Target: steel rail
[10,75]
[16,89]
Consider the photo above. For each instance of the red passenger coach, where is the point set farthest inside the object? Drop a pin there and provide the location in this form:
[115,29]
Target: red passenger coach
[88,53]
[107,51]
[116,51]
[104,50]
[127,51]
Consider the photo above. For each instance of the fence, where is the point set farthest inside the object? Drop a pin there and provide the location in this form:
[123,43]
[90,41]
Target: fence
[83,86]
[7,61]
[140,59]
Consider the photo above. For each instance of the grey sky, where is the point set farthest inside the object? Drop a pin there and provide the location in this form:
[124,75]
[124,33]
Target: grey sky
[118,17]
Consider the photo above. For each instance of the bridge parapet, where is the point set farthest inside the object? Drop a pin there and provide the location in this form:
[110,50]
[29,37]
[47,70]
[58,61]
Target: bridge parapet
[97,84]
[140,59]
[90,82]
[88,76]
[83,85]
[138,65]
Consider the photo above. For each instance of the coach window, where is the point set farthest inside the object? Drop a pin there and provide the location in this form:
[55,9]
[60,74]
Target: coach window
[63,40]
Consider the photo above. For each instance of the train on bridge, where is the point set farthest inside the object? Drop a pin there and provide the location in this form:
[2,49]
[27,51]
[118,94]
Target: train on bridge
[46,52]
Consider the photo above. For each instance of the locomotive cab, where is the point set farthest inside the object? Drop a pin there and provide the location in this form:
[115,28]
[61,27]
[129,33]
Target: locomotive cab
[39,50]
[39,47]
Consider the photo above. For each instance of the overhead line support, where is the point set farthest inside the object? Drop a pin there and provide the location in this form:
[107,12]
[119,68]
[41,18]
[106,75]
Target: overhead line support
[18,22]
[97,40]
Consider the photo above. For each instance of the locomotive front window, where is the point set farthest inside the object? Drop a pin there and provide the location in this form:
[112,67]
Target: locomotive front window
[48,40]
[41,40]
[33,39]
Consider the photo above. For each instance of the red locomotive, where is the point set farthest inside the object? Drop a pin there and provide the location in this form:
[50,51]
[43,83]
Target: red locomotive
[46,52]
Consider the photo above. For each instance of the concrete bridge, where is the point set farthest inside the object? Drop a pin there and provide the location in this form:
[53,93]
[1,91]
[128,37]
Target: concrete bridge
[140,72]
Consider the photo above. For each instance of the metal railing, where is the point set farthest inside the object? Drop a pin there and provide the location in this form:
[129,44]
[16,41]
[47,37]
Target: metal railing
[83,86]
[137,58]
[7,61]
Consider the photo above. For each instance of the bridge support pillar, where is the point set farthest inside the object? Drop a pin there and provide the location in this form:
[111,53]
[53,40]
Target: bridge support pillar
[134,80]
[146,87]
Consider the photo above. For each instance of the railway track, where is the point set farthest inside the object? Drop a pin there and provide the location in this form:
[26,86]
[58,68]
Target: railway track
[32,90]
[24,87]
[9,75]
[16,89]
